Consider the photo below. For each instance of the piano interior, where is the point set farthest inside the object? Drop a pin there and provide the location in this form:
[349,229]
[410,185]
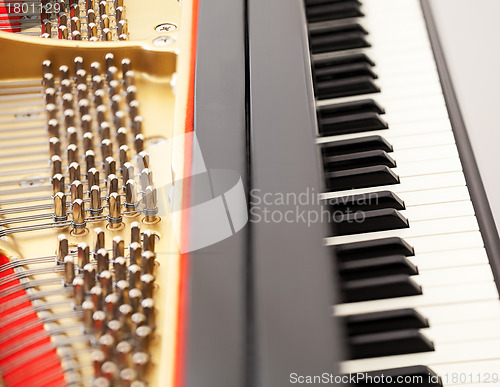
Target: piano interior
[240,193]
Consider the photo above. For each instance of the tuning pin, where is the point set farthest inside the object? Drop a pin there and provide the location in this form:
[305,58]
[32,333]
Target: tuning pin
[69,270]
[102,7]
[83,254]
[150,204]
[139,143]
[72,153]
[95,200]
[63,72]
[69,118]
[135,298]
[91,27]
[135,250]
[99,321]
[138,320]
[78,292]
[148,241]
[143,337]
[145,177]
[120,266]
[89,274]
[54,146]
[133,109]
[115,330]
[123,156]
[74,171]
[106,343]
[82,91]
[116,101]
[124,354]
[95,67]
[112,184]
[65,86]
[121,136]
[88,141]
[60,207]
[105,23]
[67,101]
[129,79]
[148,310]
[51,111]
[46,67]
[106,148]
[76,190]
[122,288]
[134,276]
[97,83]
[89,159]
[102,259]
[147,283]
[72,135]
[109,167]
[76,35]
[125,65]
[48,81]
[112,306]
[148,262]
[106,279]
[122,28]
[50,96]
[130,195]
[105,129]
[88,309]
[120,119]
[125,312]
[81,76]
[98,359]
[76,24]
[120,13]
[128,172]
[96,295]
[141,361]
[63,249]
[56,165]
[58,183]
[78,224]
[83,106]
[131,93]
[99,97]
[93,177]
[53,128]
[99,240]
[107,34]
[111,74]
[135,232]
[114,88]
[114,217]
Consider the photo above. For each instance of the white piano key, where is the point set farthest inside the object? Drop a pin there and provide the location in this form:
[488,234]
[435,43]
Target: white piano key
[444,242]
[434,153]
[439,211]
[453,275]
[426,167]
[443,314]
[450,258]
[417,229]
[455,294]
[462,331]
[445,353]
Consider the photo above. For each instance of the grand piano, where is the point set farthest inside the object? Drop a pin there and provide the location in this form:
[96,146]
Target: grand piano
[248,193]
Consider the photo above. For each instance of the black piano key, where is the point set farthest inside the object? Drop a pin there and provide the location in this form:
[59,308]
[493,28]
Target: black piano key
[346,87]
[347,70]
[365,202]
[360,178]
[349,59]
[378,288]
[338,37]
[350,117]
[359,222]
[359,144]
[333,11]
[318,2]
[389,343]
[376,267]
[373,248]
[385,321]
[358,160]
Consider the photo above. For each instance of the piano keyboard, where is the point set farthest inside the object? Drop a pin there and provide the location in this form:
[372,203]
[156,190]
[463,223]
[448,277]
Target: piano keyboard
[418,294]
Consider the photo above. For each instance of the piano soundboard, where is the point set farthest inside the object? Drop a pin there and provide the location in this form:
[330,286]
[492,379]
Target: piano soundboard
[253,193]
